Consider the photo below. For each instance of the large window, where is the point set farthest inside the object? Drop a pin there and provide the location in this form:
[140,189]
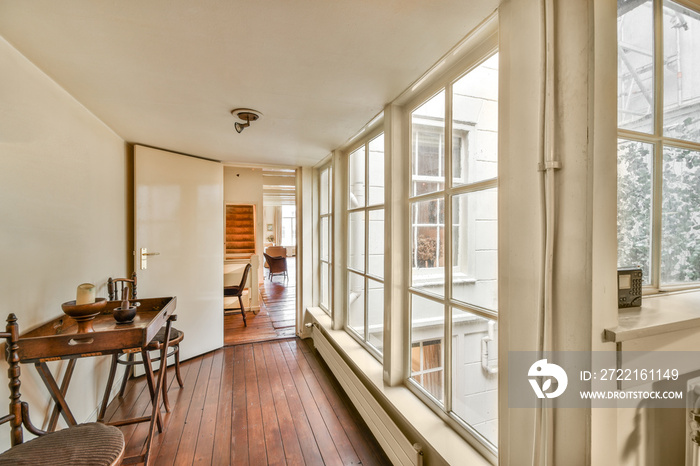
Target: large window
[658,159]
[289,225]
[453,290]
[325,211]
[365,316]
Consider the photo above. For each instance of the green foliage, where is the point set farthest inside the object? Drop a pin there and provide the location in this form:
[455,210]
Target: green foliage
[680,239]
[634,184]
[680,207]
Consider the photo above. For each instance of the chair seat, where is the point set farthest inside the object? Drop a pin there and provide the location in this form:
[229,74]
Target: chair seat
[176,337]
[86,444]
[232,290]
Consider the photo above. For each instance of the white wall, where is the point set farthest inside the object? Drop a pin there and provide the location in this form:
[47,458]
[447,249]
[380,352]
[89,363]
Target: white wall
[245,186]
[63,198]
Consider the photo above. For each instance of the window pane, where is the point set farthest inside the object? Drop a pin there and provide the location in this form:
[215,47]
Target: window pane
[680,238]
[427,238]
[475,248]
[475,124]
[474,372]
[289,225]
[325,189]
[427,331]
[428,145]
[356,178]
[323,239]
[375,243]
[356,241]
[356,303]
[376,170]
[681,72]
[635,66]
[634,188]
[325,286]
[375,314]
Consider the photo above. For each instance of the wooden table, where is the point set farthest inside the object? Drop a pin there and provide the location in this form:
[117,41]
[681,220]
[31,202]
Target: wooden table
[59,340]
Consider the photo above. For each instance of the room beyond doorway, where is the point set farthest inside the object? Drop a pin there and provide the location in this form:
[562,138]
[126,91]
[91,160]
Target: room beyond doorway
[277,316]
[273,192]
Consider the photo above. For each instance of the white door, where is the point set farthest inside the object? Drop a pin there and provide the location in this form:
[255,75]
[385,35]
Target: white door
[179,205]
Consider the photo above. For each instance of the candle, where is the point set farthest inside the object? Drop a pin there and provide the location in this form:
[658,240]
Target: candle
[86,294]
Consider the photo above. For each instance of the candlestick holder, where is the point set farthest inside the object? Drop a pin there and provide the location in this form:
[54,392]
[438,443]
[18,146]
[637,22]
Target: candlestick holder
[84,313]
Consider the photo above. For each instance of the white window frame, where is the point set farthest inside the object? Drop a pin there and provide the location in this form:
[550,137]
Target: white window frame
[328,261]
[658,142]
[366,208]
[444,408]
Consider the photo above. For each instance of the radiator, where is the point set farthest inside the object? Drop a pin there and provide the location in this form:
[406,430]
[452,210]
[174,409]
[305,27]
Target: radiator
[692,427]
[395,444]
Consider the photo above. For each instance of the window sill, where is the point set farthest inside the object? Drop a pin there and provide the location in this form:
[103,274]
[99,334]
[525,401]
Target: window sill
[661,313]
[433,431]
[438,279]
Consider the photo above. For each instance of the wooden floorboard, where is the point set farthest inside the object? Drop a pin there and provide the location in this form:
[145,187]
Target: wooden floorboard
[302,427]
[239,425]
[224,414]
[254,404]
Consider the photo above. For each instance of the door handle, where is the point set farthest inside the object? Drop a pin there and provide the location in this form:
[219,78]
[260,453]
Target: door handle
[144,257]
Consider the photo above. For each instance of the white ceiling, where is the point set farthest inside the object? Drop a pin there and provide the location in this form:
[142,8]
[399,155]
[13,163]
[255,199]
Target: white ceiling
[167,73]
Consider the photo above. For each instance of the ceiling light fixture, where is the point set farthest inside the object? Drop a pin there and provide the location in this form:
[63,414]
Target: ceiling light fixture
[247,115]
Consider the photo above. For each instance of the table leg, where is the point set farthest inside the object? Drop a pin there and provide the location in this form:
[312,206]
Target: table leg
[53,422]
[108,389]
[148,368]
[157,391]
[55,392]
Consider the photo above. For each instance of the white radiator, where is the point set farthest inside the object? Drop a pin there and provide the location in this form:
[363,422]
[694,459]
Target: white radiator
[395,444]
[692,426]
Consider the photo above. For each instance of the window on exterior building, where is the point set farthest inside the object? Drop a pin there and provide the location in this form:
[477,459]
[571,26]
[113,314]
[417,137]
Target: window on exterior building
[426,365]
[325,211]
[658,154]
[365,265]
[453,289]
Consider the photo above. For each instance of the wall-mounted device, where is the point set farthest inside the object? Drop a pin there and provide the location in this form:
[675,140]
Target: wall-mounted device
[629,287]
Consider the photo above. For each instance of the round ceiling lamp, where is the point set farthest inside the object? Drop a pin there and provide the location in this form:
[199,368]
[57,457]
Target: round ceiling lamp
[247,115]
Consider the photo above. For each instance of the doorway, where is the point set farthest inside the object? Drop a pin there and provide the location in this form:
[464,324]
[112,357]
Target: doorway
[273,192]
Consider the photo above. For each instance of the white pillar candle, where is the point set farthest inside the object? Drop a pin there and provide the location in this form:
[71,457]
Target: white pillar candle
[86,294]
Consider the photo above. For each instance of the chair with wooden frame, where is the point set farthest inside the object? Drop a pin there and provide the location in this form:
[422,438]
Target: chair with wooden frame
[237,290]
[117,289]
[83,444]
[276,265]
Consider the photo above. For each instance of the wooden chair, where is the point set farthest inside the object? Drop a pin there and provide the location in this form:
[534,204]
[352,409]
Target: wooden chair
[117,289]
[276,264]
[237,290]
[84,444]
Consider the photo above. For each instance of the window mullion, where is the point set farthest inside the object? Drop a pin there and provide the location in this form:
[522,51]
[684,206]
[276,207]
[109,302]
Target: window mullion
[366,233]
[447,363]
[656,213]
[658,146]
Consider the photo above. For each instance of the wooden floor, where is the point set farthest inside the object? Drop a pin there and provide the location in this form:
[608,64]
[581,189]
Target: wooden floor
[276,318]
[253,404]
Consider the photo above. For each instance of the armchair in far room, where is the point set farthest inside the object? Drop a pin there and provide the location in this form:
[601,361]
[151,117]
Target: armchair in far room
[276,264]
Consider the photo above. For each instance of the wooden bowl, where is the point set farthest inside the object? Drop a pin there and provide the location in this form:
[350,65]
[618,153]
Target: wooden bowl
[84,313]
[124,316]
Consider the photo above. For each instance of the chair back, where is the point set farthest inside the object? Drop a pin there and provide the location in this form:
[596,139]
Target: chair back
[15,417]
[276,264]
[117,287]
[245,276]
